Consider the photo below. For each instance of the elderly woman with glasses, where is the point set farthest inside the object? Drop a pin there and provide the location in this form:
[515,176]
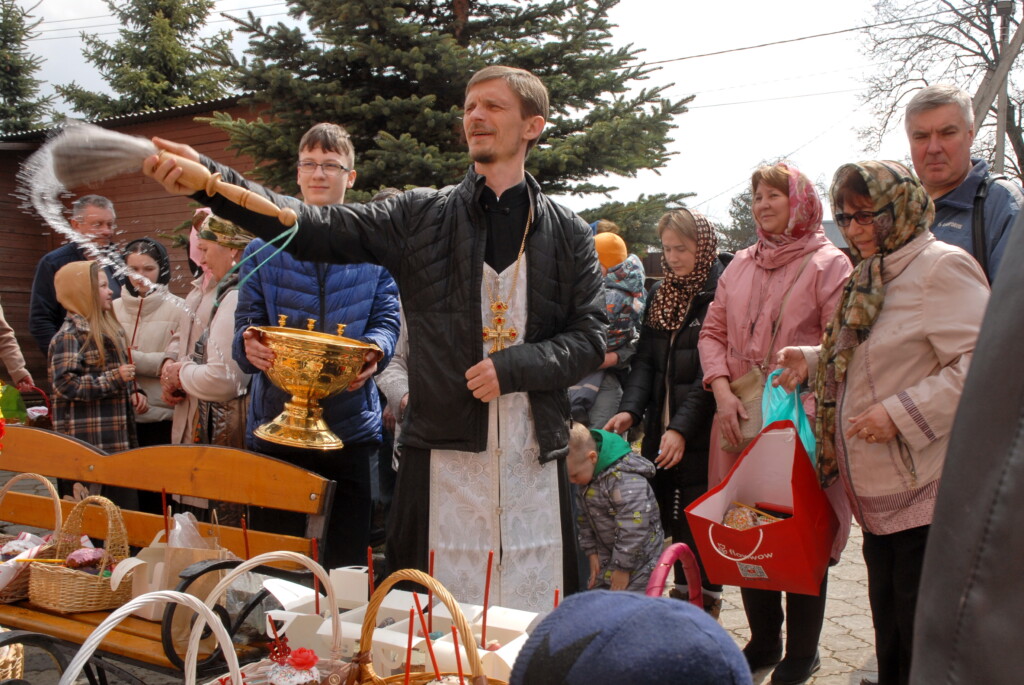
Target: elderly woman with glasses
[887,378]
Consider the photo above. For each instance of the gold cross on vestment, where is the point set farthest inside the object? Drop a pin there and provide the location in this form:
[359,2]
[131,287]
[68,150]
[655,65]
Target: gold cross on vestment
[499,334]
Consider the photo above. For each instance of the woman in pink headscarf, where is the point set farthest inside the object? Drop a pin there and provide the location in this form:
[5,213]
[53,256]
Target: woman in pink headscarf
[794,264]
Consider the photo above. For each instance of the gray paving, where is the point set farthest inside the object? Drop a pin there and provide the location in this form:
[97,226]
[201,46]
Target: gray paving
[847,644]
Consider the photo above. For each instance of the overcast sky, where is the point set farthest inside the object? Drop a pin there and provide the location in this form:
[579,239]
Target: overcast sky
[797,100]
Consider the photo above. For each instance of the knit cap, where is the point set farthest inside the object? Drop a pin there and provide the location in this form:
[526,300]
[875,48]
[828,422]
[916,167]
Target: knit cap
[611,249]
[601,637]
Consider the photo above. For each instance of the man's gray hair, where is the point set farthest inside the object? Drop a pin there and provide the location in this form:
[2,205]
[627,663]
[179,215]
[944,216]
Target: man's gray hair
[79,205]
[930,97]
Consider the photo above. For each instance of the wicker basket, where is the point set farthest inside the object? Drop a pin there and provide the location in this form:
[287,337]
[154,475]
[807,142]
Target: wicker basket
[332,669]
[12,661]
[206,615]
[17,589]
[67,590]
[367,674]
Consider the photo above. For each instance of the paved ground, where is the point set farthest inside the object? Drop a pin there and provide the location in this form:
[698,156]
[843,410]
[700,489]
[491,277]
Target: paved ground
[847,641]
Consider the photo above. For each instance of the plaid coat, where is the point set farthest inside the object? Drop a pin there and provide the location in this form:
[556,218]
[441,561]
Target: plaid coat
[90,402]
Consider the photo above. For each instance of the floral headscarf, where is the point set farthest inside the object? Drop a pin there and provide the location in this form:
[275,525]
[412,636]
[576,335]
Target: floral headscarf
[911,211]
[805,210]
[224,233]
[803,232]
[671,300]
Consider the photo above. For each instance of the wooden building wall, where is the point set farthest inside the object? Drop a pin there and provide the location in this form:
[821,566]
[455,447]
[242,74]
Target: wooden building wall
[143,209]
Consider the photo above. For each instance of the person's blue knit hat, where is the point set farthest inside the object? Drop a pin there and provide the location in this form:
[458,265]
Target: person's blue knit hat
[604,638]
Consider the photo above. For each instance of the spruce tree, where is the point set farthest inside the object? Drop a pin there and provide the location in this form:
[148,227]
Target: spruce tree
[21,107]
[394,72]
[158,61]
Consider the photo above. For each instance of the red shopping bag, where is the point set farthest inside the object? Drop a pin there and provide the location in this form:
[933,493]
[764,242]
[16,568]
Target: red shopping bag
[791,554]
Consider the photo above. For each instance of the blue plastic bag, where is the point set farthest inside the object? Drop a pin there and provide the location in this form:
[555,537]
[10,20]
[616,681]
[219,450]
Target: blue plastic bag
[779,405]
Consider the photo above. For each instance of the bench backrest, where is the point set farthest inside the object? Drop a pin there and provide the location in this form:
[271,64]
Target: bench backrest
[206,471]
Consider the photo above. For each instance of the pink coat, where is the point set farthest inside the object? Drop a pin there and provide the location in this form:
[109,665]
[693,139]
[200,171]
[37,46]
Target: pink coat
[738,330]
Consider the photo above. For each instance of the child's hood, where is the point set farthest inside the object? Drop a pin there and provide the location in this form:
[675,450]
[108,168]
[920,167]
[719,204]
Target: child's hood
[73,285]
[628,276]
[611,447]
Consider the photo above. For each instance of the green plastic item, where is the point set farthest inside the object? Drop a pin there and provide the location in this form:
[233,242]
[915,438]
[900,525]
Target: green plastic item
[12,407]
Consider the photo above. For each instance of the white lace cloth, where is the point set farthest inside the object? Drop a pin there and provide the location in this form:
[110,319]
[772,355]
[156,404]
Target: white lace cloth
[502,499]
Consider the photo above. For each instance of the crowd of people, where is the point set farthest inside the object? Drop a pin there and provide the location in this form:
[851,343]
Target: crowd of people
[525,356]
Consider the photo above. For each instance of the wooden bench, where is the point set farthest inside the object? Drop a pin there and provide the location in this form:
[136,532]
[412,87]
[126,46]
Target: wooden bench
[204,471]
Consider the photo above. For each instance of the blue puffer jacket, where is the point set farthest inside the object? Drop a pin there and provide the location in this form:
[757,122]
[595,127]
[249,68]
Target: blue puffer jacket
[362,296]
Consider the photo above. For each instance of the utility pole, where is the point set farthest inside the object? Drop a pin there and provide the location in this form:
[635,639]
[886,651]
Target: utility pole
[1004,9]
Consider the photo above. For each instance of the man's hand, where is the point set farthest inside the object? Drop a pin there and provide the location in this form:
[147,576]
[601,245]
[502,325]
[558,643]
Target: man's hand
[610,359]
[620,580]
[482,381]
[369,368]
[167,172]
[258,354]
[673,445]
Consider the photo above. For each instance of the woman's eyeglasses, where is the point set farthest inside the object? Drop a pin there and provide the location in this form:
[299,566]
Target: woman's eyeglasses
[330,168]
[862,218]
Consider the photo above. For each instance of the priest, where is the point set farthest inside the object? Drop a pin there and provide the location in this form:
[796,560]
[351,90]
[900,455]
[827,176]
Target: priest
[502,293]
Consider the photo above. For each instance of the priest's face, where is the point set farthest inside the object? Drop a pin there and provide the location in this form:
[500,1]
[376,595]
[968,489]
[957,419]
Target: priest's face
[495,127]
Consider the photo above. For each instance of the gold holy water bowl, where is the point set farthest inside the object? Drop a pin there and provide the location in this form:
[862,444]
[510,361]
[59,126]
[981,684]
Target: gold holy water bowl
[310,366]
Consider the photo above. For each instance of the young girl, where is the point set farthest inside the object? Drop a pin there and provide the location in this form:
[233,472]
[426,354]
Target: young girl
[95,398]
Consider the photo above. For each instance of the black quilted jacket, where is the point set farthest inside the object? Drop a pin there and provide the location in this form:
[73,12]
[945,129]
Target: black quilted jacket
[690,406]
[433,244]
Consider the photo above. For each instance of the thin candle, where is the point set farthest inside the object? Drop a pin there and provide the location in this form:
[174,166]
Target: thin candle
[316,581]
[556,598]
[167,513]
[458,652]
[245,537]
[426,634]
[487,598]
[430,593]
[369,568]
[408,648]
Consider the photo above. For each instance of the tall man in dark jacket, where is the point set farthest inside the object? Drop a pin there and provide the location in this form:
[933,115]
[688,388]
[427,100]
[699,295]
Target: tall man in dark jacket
[502,407]
[364,297]
[94,218]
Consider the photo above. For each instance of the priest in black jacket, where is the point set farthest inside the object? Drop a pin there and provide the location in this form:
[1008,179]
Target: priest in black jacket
[502,293]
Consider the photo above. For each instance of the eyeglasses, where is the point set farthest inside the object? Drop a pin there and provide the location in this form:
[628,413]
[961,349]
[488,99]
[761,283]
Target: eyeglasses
[330,168]
[862,218]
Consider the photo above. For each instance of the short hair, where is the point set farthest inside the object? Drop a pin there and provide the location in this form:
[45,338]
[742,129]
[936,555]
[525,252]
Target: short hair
[329,138]
[850,184]
[385,194]
[580,440]
[531,91]
[930,97]
[775,175]
[79,205]
[605,226]
[680,222]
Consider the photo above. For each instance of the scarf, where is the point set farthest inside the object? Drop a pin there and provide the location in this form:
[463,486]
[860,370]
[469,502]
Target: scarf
[910,214]
[671,301]
[803,233]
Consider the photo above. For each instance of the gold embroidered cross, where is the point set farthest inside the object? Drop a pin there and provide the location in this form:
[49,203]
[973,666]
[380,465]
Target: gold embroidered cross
[499,335]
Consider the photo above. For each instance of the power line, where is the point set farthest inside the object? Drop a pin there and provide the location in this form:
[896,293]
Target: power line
[785,97]
[116,23]
[799,39]
[115,33]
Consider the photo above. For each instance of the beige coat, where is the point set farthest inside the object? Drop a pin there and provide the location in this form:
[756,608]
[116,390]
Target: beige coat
[10,352]
[914,362]
[219,382]
[161,311]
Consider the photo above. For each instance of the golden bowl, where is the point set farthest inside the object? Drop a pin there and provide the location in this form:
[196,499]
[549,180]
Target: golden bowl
[310,366]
